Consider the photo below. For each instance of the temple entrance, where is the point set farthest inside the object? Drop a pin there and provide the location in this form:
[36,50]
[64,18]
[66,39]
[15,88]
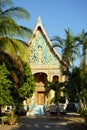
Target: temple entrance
[45,65]
[40,79]
[41,98]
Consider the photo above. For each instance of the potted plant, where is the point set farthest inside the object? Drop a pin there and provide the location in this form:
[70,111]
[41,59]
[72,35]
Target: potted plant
[12,120]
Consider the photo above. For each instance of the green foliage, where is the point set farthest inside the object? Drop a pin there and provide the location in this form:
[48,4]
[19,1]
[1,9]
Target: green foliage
[56,86]
[53,100]
[73,46]
[13,90]
[13,119]
[69,50]
[47,87]
[10,31]
[83,45]
[77,86]
[5,87]
[27,83]
[8,16]
[4,3]
[12,50]
[7,9]
[62,99]
[84,114]
[10,28]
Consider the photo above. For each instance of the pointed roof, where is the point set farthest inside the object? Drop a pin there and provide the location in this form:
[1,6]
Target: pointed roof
[39,25]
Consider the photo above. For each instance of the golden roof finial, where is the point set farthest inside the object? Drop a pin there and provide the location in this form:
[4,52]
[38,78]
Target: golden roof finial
[39,20]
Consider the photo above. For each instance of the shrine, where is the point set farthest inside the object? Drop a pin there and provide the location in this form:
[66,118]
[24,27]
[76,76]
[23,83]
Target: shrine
[45,64]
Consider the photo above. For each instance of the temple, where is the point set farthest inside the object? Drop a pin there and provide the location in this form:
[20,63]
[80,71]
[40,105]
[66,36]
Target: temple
[45,64]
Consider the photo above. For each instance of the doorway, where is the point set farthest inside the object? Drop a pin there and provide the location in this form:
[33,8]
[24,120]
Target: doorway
[41,98]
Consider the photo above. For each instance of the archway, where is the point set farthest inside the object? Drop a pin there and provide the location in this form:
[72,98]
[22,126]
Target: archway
[55,78]
[40,92]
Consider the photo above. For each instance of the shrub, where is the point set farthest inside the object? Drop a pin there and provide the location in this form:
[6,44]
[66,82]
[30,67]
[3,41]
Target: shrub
[62,99]
[84,114]
[13,119]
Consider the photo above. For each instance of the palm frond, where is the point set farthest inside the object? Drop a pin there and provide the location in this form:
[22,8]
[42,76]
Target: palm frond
[8,27]
[55,44]
[16,12]
[11,62]
[4,3]
[13,47]
[7,45]
[58,39]
[27,31]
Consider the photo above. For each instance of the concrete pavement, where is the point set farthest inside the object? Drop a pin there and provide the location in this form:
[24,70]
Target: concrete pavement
[38,123]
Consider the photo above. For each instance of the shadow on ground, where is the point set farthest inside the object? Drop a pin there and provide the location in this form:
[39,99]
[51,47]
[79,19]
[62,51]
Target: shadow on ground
[64,122]
[77,126]
[75,122]
[42,123]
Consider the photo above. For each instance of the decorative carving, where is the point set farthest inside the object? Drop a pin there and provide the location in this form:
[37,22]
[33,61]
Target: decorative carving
[40,52]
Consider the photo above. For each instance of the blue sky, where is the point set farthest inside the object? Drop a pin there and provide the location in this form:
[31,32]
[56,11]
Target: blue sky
[56,15]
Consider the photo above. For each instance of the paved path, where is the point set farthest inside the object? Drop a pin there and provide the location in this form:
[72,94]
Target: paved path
[38,123]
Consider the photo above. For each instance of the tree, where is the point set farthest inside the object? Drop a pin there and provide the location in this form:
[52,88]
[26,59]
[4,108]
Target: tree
[8,14]
[57,87]
[5,87]
[10,30]
[27,83]
[12,49]
[14,92]
[83,75]
[68,47]
[82,39]
[76,86]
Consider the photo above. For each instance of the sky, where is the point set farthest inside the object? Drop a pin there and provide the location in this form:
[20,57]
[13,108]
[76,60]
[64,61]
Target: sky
[56,15]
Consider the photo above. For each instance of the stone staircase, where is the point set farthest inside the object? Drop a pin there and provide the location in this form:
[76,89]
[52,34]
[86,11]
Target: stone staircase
[38,110]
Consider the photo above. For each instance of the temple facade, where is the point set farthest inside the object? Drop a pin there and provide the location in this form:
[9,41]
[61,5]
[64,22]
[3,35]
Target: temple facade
[45,64]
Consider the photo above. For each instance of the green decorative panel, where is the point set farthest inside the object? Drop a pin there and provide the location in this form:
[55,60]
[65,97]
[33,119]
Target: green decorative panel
[40,52]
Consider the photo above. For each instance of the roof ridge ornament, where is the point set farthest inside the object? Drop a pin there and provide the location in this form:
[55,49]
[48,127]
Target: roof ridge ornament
[39,20]
[42,29]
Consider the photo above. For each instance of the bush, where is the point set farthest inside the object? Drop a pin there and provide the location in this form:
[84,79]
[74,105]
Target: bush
[3,120]
[84,114]
[13,119]
[62,99]
[52,100]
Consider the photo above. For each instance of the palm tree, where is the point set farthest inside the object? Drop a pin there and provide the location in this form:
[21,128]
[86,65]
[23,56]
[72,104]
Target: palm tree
[10,30]
[82,38]
[68,47]
[77,86]
[10,46]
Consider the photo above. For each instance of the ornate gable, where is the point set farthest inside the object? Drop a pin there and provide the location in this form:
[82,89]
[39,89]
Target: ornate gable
[40,48]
